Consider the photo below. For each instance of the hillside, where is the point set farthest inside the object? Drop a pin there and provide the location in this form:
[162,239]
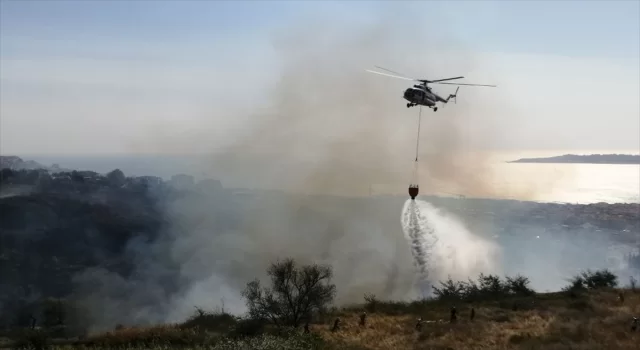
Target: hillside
[91,236]
[597,319]
[17,163]
[585,159]
[53,226]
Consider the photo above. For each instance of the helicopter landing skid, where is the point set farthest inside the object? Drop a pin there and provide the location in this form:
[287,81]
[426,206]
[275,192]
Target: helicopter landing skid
[415,104]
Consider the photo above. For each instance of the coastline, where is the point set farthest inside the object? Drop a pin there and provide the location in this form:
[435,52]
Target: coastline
[605,159]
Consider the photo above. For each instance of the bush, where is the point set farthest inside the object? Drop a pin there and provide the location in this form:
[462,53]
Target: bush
[576,284]
[451,290]
[600,279]
[488,287]
[491,285]
[519,285]
[589,280]
[371,302]
[295,293]
[210,321]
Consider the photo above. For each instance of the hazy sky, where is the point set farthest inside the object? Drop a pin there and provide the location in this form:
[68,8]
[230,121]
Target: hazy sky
[94,76]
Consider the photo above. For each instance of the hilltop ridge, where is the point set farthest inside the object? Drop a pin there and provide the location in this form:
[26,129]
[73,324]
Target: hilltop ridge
[584,159]
[17,163]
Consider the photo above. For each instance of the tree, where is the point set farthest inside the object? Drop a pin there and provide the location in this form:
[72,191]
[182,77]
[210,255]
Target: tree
[6,174]
[450,290]
[116,177]
[296,292]
[592,280]
[600,279]
[492,285]
[76,176]
[519,285]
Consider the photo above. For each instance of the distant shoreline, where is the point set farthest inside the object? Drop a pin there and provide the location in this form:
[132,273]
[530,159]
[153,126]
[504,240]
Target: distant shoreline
[609,159]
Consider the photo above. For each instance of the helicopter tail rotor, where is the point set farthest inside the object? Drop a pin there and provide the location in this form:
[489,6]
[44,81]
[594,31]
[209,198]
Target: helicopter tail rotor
[454,96]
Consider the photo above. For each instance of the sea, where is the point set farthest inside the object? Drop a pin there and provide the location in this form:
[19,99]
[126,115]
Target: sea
[572,183]
[558,183]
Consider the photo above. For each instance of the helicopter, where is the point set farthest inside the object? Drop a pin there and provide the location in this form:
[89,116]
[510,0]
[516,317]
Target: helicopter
[421,94]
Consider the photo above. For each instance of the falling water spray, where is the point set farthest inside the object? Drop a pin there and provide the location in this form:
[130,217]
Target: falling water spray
[442,247]
[421,239]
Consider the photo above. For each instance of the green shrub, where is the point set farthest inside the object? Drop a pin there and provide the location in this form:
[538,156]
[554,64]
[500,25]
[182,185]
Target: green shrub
[588,280]
[488,287]
[450,290]
[600,279]
[370,302]
[210,321]
[519,285]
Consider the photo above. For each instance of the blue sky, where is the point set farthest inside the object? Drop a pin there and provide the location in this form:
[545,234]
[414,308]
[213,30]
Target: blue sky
[56,55]
[591,28]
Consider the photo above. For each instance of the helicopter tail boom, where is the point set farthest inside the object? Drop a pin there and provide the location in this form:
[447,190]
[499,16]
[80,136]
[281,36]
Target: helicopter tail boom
[454,96]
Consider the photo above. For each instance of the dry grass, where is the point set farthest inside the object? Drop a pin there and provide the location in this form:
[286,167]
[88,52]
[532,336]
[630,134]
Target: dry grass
[597,320]
[594,321]
[147,336]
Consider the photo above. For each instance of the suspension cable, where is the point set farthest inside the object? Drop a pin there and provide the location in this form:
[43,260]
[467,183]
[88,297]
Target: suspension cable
[418,138]
[414,175]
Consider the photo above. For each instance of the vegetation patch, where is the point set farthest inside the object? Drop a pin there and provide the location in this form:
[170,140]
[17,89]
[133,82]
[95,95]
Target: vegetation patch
[295,311]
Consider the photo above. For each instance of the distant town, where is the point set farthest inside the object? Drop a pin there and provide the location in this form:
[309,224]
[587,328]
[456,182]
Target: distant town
[585,159]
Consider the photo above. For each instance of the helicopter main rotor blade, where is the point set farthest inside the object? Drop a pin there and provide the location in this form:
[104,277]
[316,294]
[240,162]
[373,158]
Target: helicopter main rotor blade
[435,81]
[467,84]
[424,81]
[396,73]
[389,75]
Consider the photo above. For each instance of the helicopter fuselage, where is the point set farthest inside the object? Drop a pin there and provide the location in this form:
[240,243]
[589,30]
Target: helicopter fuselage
[418,95]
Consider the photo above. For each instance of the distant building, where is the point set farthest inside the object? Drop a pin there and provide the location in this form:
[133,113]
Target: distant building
[44,178]
[89,175]
[182,181]
[151,181]
[209,185]
[64,177]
